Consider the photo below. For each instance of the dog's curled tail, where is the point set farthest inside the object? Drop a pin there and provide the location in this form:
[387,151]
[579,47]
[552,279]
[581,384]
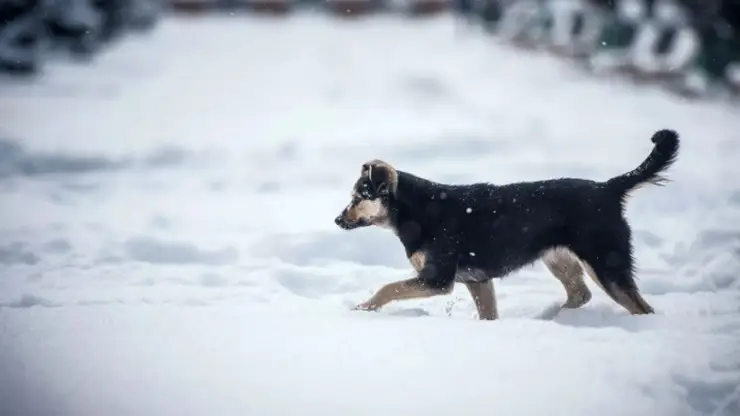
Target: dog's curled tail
[660,159]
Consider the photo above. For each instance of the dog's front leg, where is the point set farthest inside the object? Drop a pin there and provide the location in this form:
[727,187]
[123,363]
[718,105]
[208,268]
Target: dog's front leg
[484,296]
[405,289]
[433,280]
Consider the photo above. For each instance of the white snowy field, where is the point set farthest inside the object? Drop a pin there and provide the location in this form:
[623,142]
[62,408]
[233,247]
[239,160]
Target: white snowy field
[167,244]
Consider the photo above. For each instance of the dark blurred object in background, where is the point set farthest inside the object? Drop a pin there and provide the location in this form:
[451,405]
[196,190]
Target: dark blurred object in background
[72,25]
[21,29]
[691,47]
[199,6]
[30,30]
[353,8]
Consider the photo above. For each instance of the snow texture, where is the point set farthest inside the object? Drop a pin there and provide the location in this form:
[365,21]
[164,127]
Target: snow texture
[167,244]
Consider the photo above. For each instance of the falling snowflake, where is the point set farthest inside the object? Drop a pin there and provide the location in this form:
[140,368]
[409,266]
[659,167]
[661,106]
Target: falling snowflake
[469,210]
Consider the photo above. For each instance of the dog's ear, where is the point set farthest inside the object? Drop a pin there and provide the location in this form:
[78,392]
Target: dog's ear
[383,176]
[366,169]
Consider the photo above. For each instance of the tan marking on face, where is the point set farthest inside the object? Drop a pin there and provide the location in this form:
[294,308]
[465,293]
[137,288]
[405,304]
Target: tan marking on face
[372,211]
[418,259]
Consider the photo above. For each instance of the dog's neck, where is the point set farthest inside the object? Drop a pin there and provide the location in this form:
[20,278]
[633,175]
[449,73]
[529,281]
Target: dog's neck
[409,205]
[411,188]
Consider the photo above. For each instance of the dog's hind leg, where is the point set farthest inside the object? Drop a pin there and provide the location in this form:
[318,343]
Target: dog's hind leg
[566,267]
[608,261]
[611,280]
[484,296]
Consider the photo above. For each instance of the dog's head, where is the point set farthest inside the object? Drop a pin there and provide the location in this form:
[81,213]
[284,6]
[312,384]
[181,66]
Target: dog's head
[371,196]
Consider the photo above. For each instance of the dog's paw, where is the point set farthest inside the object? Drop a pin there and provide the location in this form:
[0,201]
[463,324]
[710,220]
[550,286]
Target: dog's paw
[365,306]
[550,312]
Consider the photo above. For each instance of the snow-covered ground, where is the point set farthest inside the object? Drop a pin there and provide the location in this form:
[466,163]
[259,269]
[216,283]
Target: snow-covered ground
[167,244]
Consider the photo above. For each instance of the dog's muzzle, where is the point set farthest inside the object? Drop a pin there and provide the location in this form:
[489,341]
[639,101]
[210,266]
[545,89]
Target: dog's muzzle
[342,222]
[339,220]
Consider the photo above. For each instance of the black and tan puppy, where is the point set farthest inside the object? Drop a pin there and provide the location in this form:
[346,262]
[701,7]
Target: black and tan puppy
[474,233]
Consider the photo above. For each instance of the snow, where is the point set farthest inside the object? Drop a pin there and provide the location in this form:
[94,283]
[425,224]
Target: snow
[167,243]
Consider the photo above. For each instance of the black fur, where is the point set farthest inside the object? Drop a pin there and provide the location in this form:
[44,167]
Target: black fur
[486,231]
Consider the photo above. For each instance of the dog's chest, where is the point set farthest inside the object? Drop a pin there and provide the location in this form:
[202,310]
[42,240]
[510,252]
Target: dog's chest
[418,259]
[464,274]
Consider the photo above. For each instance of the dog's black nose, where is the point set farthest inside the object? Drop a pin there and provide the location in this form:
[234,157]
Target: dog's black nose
[339,221]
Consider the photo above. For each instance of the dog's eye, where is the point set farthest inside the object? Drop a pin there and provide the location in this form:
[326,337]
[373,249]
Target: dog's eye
[365,192]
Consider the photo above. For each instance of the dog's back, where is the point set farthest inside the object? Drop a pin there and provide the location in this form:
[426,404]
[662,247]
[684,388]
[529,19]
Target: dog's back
[499,228]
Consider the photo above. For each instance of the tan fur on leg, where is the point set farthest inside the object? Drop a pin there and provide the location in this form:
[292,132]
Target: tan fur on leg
[566,267]
[404,289]
[484,296]
[628,299]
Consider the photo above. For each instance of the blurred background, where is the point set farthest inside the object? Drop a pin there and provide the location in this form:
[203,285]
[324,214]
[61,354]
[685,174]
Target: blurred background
[690,47]
[170,171]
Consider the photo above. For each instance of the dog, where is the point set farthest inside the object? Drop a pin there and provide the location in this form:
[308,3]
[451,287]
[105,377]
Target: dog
[474,233]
